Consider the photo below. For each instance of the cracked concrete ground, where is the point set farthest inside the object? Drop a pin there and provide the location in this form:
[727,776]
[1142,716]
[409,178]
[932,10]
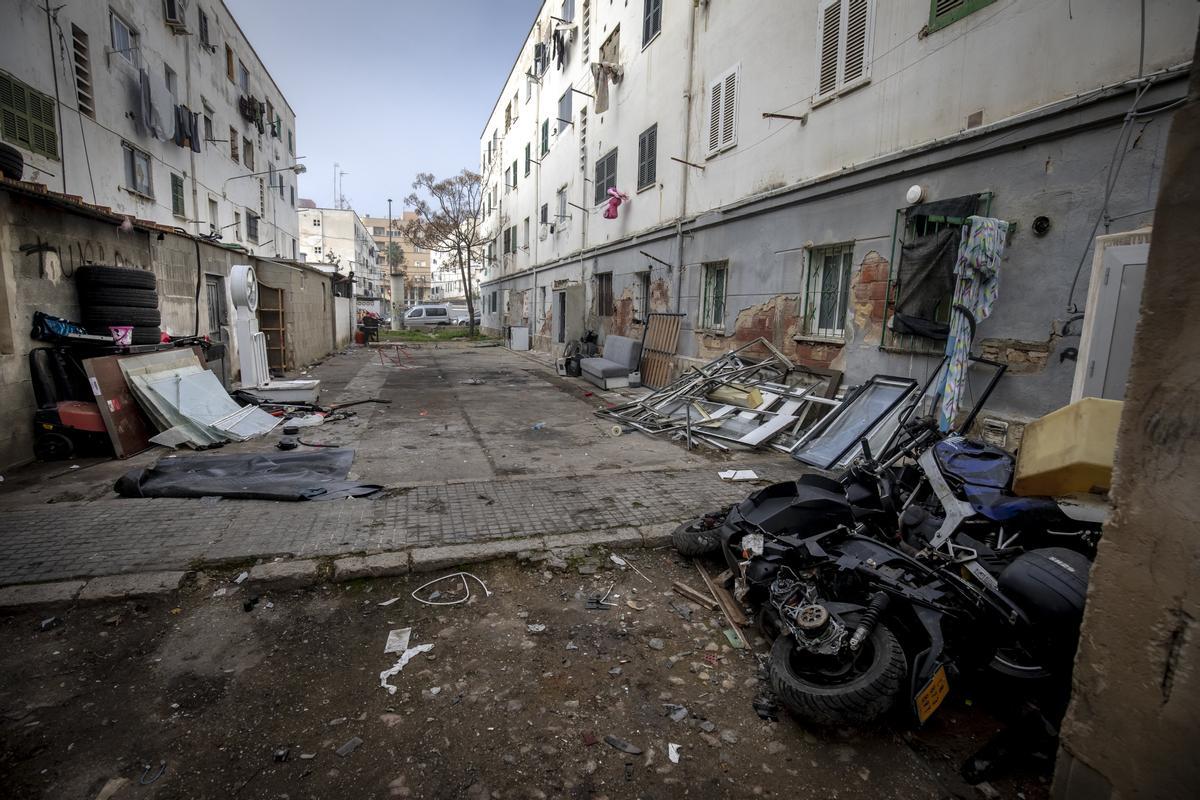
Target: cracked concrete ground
[462,463]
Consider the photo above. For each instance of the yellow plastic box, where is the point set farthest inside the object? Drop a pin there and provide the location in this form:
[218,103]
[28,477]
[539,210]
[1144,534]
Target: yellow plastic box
[1070,450]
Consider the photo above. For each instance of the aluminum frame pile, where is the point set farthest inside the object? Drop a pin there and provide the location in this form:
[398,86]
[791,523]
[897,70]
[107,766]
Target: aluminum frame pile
[782,402]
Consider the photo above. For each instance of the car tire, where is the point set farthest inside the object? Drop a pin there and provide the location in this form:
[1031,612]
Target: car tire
[119,296]
[860,700]
[94,275]
[141,334]
[106,316]
[12,163]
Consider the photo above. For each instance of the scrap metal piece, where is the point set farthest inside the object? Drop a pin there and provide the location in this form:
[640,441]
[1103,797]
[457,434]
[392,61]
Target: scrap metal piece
[622,745]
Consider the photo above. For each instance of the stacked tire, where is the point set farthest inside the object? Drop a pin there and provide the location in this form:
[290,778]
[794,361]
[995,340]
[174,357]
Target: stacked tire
[116,296]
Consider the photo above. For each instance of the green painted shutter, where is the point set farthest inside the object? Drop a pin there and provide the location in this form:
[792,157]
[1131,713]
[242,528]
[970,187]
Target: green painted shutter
[27,117]
[945,12]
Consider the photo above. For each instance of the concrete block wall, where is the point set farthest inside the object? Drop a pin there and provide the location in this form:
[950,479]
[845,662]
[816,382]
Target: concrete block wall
[43,240]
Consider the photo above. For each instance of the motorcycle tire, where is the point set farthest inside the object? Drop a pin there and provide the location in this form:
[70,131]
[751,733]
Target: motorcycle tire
[119,296]
[104,316]
[861,699]
[692,540]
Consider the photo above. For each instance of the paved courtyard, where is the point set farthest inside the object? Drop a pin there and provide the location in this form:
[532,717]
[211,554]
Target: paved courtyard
[461,460]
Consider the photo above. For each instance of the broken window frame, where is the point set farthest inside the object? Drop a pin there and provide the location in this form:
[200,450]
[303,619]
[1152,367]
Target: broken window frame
[819,298]
[891,341]
[713,293]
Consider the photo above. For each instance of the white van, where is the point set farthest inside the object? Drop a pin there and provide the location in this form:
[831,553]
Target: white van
[419,316]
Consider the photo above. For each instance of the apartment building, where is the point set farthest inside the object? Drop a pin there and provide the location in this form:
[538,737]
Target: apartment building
[340,238]
[410,280]
[776,160]
[158,109]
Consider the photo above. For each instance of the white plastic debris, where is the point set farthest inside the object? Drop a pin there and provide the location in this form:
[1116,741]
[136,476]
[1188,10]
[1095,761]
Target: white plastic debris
[219,592]
[738,475]
[397,641]
[388,602]
[535,628]
[673,752]
[409,654]
[240,578]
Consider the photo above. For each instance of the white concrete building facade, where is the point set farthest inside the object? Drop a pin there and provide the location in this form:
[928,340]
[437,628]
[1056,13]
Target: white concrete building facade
[338,236]
[766,151]
[158,109]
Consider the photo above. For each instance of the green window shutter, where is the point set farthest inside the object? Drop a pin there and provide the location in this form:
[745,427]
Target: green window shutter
[946,12]
[27,117]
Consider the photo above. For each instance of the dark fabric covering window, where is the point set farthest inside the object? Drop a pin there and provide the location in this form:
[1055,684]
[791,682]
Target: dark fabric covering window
[925,277]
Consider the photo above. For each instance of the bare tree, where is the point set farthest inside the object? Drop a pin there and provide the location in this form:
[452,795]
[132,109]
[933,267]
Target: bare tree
[449,219]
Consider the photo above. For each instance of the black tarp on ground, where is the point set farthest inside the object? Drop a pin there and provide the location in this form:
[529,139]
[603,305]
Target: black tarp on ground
[308,475]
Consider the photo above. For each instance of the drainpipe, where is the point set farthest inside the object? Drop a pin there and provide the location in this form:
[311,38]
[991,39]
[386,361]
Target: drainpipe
[187,84]
[57,100]
[683,168]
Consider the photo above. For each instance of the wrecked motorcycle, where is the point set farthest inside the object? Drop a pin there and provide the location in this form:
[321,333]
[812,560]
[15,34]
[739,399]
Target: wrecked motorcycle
[904,573]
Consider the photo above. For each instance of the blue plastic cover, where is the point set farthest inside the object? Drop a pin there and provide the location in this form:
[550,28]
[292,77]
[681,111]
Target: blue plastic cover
[975,463]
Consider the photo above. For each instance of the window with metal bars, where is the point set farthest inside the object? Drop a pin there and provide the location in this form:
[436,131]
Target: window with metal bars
[911,224]
[27,117]
[845,29]
[946,12]
[712,298]
[648,157]
[722,111]
[81,57]
[252,227]
[606,175]
[827,291]
[604,294]
[177,204]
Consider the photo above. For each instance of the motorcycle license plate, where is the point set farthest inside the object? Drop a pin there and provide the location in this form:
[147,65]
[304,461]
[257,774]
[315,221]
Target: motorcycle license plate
[929,698]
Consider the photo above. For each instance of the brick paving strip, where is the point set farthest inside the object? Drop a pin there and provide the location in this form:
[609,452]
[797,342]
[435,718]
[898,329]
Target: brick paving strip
[432,526]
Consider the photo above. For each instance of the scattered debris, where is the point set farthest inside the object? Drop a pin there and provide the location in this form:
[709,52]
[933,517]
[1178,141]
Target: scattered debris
[707,726]
[738,400]
[766,706]
[349,747]
[738,475]
[537,426]
[220,592]
[433,601]
[536,628]
[307,756]
[397,640]
[634,606]
[622,562]
[596,603]
[677,713]
[572,646]
[614,671]
[50,623]
[147,778]
[281,754]
[696,596]
[735,639]
[241,578]
[407,656]
[656,644]
[673,752]
[249,603]
[589,738]
[111,787]
[622,745]
[474,381]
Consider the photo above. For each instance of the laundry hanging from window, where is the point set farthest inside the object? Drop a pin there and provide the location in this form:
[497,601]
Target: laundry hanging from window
[187,128]
[615,198]
[925,276]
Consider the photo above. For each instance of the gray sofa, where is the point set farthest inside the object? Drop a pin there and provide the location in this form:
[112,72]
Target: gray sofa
[611,370]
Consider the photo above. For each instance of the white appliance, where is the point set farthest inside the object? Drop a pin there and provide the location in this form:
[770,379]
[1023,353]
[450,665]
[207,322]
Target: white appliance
[251,344]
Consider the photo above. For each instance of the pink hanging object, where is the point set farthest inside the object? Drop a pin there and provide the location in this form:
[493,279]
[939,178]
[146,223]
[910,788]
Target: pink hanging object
[615,199]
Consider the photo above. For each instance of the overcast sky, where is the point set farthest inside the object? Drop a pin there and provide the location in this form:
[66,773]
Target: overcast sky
[385,88]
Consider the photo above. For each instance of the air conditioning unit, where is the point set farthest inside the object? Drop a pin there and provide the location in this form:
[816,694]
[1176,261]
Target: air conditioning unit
[175,15]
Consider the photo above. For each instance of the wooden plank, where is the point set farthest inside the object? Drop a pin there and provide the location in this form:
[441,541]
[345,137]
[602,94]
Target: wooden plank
[128,429]
[732,611]
[696,596]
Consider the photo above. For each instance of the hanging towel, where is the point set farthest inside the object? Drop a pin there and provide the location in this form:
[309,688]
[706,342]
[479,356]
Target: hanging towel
[145,112]
[615,198]
[978,273]
[600,103]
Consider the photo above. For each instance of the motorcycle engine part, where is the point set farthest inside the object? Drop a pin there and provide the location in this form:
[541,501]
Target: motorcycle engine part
[760,572]
[825,639]
[956,510]
[811,618]
[879,604]
[291,430]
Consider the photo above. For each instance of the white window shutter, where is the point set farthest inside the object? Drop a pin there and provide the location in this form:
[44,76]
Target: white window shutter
[829,28]
[714,116]
[860,19]
[729,110]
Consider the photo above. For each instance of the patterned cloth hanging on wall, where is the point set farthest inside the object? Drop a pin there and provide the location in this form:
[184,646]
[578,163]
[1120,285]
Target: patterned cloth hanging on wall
[978,285]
